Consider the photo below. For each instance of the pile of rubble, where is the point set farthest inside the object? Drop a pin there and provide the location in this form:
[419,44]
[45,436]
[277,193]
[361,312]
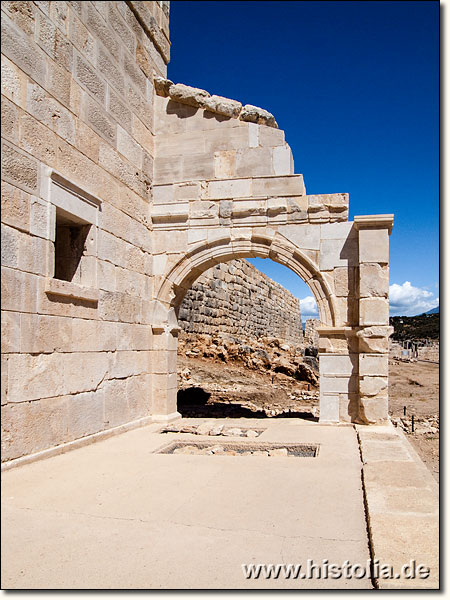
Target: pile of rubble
[221,450]
[265,355]
[214,430]
[422,425]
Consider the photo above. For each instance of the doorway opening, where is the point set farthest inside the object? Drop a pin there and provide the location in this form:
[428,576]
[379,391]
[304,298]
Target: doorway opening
[242,346]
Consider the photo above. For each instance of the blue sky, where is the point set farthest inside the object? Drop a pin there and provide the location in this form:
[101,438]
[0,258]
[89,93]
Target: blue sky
[355,86]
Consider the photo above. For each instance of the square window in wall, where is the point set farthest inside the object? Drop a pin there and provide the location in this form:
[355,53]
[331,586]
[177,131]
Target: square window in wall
[70,247]
[76,221]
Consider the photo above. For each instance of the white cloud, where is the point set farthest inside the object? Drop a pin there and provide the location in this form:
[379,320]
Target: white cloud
[408,300]
[404,300]
[308,308]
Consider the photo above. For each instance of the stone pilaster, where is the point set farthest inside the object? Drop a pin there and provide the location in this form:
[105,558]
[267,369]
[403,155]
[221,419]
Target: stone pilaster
[338,365]
[165,331]
[374,330]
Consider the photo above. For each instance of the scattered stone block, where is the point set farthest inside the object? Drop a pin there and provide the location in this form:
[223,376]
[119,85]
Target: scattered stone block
[204,429]
[252,434]
[216,430]
[278,452]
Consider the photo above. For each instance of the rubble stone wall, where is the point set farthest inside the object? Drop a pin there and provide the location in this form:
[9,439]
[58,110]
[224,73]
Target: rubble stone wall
[237,300]
[311,333]
[412,350]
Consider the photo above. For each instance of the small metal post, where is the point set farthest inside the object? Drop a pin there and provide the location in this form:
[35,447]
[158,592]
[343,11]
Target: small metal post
[404,411]
[412,423]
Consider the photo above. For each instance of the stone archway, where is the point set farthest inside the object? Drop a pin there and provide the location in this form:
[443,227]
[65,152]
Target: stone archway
[200,259]
[225,188]
[204,256]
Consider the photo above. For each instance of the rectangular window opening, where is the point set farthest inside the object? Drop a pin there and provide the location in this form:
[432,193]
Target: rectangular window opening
[70,246]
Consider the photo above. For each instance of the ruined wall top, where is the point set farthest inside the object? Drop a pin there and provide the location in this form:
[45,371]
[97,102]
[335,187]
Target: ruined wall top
[198,98]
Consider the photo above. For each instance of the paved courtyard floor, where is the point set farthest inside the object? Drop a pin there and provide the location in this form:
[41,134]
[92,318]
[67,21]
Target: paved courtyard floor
[116,515]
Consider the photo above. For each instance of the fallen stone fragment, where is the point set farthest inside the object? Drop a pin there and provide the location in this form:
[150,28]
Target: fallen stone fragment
[252,434]
[203,429]
[216,430]
[233,432]
[187,450]
[171,429]
[188,429]
[278,452]
[186,373]
[260,453]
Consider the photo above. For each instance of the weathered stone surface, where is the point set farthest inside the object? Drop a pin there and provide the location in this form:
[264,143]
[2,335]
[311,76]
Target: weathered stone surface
[98,119]
[223,106]
[374,280]
[372,386]
[162,86]
[19,168]
[101,31]
[373,364]
[81,38]
[50,112]
[89,79]
[375,339]
[252,434]
[151,27]
[15,207]
[204,429]
[188,95]
[278,452]
[81,118]
[374,311]
[216,430]
[10,121]
[111,71]
[22,14]
[254,114]
[15,46]
[374,246]
[236,299]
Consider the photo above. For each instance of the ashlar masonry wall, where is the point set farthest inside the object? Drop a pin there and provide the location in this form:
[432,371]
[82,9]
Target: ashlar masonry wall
[77,153]
[236,300]
[119,189]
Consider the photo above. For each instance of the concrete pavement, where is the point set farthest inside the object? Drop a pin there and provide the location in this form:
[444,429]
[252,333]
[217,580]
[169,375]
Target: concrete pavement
[115,515]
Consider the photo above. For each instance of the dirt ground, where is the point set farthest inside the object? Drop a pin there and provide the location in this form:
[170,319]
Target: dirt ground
[214,389]
[211,389]
[415,385]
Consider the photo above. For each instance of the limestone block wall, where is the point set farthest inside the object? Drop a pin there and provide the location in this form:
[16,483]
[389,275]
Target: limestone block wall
[235,299]
[77,152]
[207,210]
[311,336]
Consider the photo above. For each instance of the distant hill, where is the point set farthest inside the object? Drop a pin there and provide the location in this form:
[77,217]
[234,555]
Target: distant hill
[433,311]
[421,327]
